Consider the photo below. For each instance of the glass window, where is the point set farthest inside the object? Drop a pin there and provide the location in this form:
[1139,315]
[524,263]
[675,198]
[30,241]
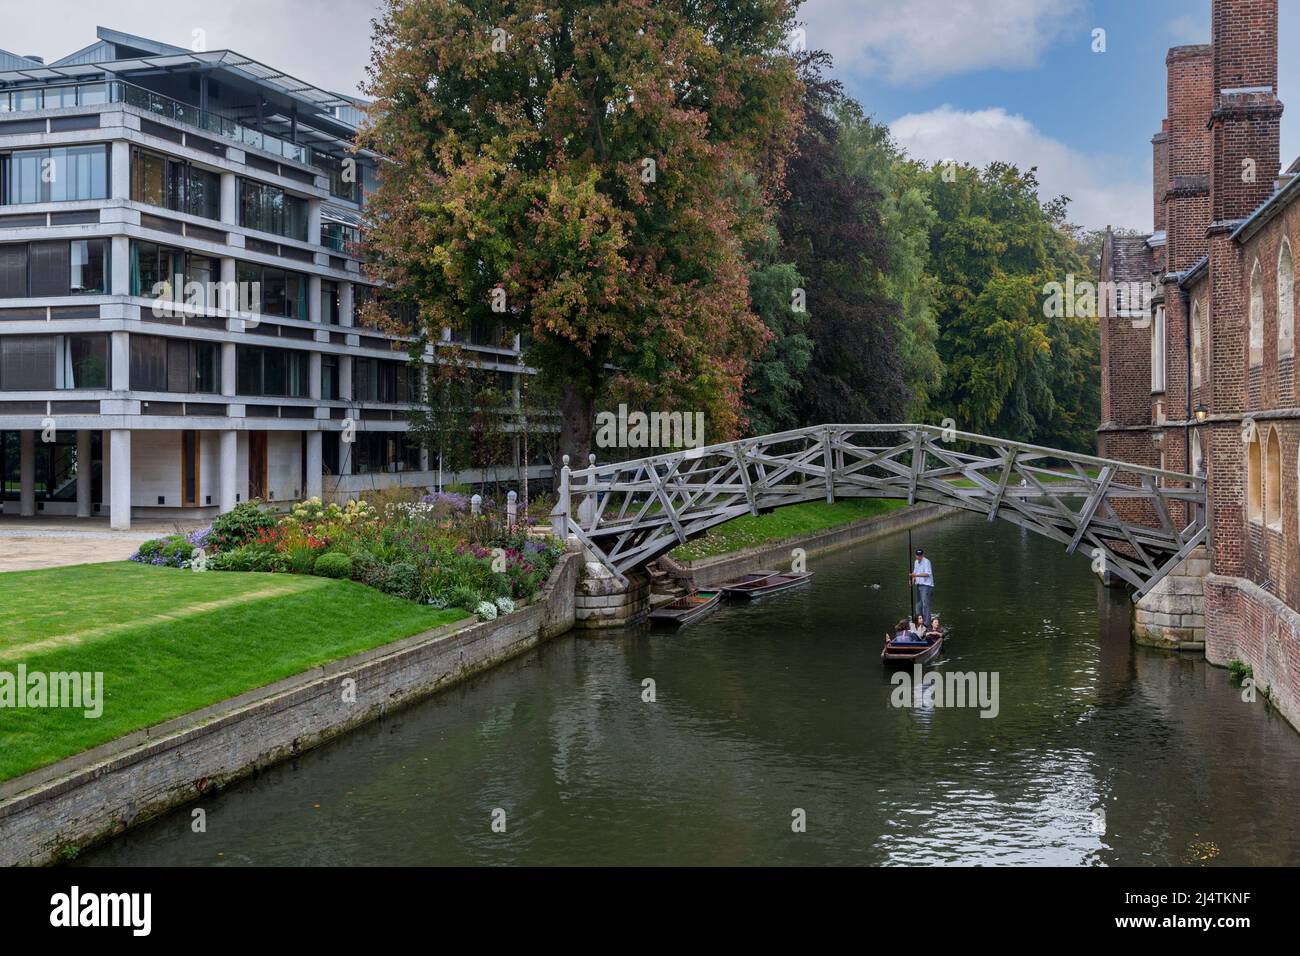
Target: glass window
[203,193]
[89,265]
[153,266]
[60,96]
[13,271]
[27,362]
[49,266]
[25,172]
[92,94]
[57,175]
[270,209]
[148,363]
[27,99]
[329,377]
[80,172]
[274,372]
[175,184]
[207,368]
[86,361]
[248,370]
[329,302]
[148,177]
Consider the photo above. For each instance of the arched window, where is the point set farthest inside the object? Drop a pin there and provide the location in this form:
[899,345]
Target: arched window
[1273,481]
[1254,504]
[1196,344]
[1198,454]
[1158,351]
[1285,301]
[1256,316]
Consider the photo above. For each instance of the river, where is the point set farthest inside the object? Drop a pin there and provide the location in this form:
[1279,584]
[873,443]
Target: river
[773,738]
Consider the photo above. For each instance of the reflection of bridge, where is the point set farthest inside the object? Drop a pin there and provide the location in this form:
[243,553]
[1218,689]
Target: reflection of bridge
[1141,521]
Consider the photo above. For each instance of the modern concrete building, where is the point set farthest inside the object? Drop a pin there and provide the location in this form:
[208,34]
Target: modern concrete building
[179,285]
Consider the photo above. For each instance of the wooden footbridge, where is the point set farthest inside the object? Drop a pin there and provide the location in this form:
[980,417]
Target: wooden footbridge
[1138,523]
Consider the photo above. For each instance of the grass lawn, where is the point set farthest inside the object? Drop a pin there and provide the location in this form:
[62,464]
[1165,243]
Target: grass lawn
[748,531]
[170,641]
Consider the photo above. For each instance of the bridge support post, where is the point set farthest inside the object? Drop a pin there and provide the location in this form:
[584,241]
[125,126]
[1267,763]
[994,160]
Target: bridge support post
[1172,614]
[560,515]
[602,601]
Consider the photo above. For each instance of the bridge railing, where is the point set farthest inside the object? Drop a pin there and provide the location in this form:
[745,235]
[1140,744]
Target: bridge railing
[1137,521]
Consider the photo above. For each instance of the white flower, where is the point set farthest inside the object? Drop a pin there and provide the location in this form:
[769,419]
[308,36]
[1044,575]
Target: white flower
[486,610]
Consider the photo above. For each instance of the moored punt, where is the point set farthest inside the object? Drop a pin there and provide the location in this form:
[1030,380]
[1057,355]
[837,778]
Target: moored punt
[897,652]
[685,609]
[762,583]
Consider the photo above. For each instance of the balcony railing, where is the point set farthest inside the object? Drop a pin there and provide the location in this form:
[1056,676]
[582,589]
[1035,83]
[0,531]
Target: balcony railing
[118,91]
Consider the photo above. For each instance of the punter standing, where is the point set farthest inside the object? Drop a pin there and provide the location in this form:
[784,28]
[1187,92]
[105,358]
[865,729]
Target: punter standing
[923,578]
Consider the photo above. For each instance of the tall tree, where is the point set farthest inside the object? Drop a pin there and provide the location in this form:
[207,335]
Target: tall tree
[580,170]
[832,231]
[1011,368]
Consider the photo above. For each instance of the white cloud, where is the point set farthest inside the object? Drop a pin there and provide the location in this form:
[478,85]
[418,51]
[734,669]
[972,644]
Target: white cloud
[1098,196]
[917,40]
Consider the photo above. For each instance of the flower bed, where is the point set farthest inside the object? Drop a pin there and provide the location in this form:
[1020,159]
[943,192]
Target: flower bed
[432,551]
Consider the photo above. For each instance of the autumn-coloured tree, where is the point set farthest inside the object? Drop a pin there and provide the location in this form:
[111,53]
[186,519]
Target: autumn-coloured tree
[586,173]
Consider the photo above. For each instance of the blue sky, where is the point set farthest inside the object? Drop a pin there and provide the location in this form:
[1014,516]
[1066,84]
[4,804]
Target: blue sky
[1018,80]
[973,80]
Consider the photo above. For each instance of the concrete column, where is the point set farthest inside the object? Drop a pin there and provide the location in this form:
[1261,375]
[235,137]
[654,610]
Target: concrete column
[229,468]
[120,166]
[229,299]
[84,466]
[346,316]
[313,481]
[120,267]
[313,221]
[228,368]
[345,378]
[313,375]
[120,343]
[229,199]
[119,515]
[313,299]
[27,473]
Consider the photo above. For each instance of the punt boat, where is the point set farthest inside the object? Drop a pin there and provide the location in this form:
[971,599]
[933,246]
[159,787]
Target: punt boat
[763,583]
[686,609]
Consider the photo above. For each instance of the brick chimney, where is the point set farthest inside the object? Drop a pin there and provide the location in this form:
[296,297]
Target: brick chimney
[1160,174]
[1246,121]
[1187,205]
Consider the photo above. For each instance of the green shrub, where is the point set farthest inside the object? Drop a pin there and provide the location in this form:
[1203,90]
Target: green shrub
[300,559]
[363,564]
[171,551]
[333,564]
[240,525]
[247,558]
[1239,670]
[465,598]
[399,578]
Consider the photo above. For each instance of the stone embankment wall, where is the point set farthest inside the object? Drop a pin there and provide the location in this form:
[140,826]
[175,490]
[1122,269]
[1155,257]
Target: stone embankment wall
[710,572]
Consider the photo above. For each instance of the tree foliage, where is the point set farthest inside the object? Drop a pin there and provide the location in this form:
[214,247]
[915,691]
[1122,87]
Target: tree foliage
[1009,369]
[603,164]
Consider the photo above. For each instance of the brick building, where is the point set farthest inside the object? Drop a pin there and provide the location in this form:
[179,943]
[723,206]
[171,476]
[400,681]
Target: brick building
[1205,380]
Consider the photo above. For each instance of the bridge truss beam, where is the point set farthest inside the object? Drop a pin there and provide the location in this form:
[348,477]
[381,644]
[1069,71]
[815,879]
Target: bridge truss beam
[1138,522]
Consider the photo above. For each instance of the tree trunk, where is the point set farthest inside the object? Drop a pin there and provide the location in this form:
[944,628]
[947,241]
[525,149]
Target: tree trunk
[577,412]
